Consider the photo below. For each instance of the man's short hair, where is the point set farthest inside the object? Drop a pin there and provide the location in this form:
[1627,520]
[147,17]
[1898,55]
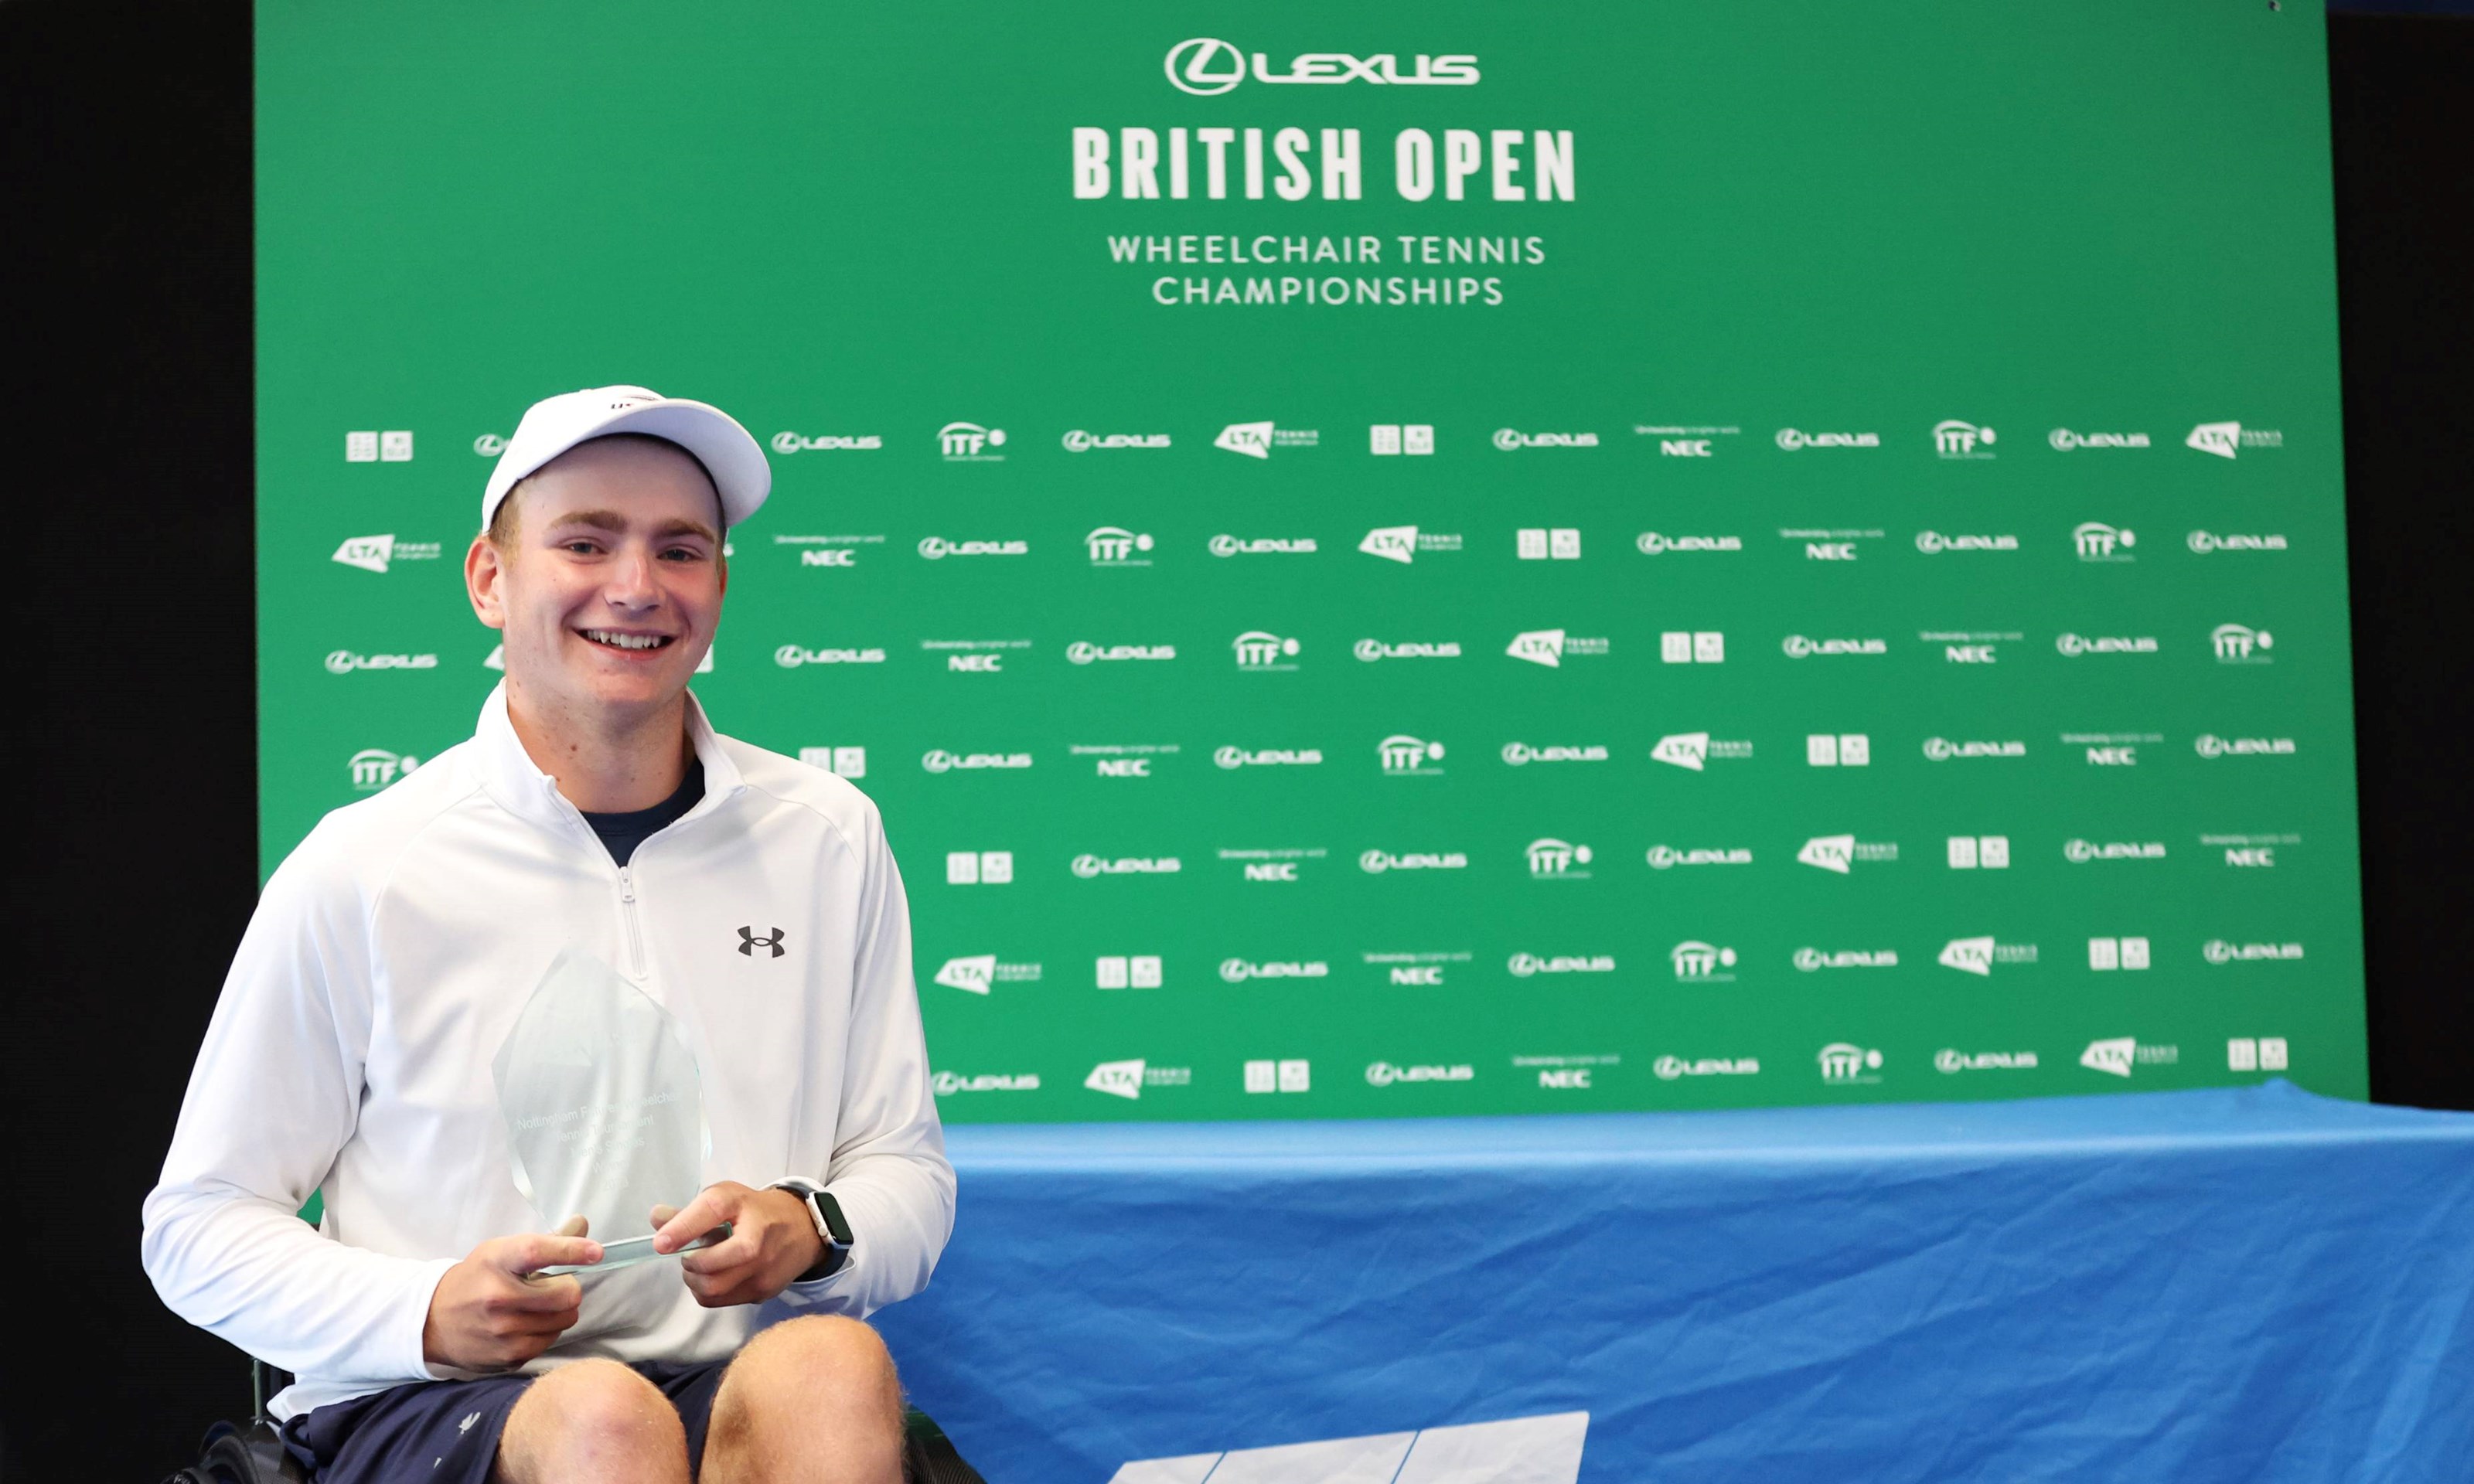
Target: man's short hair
[505,523]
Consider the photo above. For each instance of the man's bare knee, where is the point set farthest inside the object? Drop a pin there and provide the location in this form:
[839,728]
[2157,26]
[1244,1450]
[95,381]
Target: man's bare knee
[821,1381]
[592,1420]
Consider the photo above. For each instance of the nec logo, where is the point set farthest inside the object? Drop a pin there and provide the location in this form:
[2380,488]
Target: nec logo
[1429,974]
[842,556]
[1829,551]
[1272,871]
[981,663]
[2251,856]
[1125,767]
[748,941]
[1681,448]
[1967,654]
[1563,1077]
[2113,756]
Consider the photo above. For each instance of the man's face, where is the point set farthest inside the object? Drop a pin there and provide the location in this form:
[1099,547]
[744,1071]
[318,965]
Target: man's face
[610,591]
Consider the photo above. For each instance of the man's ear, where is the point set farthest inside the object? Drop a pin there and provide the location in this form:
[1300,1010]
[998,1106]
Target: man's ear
[485,574]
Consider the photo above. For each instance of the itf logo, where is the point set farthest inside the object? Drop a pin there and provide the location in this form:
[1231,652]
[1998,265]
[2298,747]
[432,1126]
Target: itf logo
[1116,547]
[1702,963]
[375,767]
[2241,644]
[1956,440]
[1404,755]
[2098,542]
[1259,651]
[1555,860]
[1843,1065]
[969,443]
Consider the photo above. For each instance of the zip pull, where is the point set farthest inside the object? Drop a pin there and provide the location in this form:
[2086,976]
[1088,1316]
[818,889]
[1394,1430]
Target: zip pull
[627,915]
[626,884]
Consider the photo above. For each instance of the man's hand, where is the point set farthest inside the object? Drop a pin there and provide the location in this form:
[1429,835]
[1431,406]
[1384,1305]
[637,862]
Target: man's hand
[485,1315]
[772,1241]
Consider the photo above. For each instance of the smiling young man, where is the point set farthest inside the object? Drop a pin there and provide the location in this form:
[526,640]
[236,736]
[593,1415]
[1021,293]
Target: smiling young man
[594,818]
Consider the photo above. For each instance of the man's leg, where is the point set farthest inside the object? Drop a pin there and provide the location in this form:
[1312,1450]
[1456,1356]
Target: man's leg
[809,1400]
[595,1420]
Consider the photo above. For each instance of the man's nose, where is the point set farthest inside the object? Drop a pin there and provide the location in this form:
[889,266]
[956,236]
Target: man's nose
[631,583]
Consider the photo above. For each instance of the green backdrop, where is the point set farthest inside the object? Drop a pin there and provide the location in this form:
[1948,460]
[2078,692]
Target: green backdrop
[1878,466]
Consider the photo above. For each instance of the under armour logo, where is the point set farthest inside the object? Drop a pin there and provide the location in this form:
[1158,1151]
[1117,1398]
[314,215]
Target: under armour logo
[748,941]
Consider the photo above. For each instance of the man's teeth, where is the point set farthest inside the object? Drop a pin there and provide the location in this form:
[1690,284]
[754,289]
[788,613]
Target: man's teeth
[627,640]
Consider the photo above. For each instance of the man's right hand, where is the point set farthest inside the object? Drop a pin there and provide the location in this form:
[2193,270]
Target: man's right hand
[486,1315]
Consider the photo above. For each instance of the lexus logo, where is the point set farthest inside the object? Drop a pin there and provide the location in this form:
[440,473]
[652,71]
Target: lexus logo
[1207,66]
[749,943]
[1190,66]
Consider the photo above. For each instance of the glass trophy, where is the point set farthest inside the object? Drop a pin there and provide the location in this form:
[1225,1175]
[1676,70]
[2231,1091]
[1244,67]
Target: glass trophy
[604,1106]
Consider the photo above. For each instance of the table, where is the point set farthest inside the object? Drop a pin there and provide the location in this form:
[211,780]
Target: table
[2250,1284]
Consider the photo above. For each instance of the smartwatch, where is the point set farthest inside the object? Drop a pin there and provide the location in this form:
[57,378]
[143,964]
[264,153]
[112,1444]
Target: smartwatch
[831,1229]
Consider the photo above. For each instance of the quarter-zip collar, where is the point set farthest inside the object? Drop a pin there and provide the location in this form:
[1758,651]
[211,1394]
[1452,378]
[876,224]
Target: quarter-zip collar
[517,785]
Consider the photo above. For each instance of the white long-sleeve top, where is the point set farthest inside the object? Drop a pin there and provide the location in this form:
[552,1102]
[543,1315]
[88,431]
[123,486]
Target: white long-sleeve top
[388,960]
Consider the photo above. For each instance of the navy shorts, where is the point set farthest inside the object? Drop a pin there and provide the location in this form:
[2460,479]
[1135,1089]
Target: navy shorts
[446,1432]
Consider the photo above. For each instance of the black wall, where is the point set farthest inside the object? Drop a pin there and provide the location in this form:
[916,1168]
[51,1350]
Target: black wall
[125,395]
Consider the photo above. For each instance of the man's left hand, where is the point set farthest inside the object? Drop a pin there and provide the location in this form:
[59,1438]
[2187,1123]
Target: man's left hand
[772,1240]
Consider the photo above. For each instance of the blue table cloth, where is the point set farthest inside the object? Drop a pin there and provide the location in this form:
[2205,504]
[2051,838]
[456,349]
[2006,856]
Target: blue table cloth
[2253,1284]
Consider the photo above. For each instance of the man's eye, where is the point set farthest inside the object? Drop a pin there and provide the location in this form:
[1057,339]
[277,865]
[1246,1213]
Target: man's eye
[581,549]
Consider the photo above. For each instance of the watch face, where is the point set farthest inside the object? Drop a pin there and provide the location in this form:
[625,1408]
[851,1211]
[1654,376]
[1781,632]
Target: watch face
[832,1211]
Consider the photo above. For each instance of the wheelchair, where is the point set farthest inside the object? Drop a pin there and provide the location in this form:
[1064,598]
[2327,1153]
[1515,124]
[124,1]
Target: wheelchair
[253,1452]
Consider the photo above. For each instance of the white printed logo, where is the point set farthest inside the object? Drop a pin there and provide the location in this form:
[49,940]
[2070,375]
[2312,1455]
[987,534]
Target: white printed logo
[849,762]
[1791,440]
[1844,1064]
[1117,1079]
[2226,439]
[1237,971]
[2073,645]
[375,767]
[1259,546]
[1116,547]
[342,661]
[976,974]
[941,760]
[1949,1060]
[2212,746]
[1079,442]
[1400,438]
[1671,1067]
[936,548]
[2098,542]
[1932,543]
[1666,858]
[1839,853]
[1702,963]
[1088,866]
[793,442]
[375,553]
[947,1084]
[2202,542]
[1549,647]
[1520,755]
[1207,66]
[2241,644]
[1270,756]
[1372,649]
[1403,755]
[1377,862]
[969,443]
[1956,440]
[1511,440]
[1259,651]
[1943,750]
[1977,955]
[1553,860]
[1525,964]
[1283,1076]
[1402,543]
[1384,1074]
[1257,439]
[1798,647]
[390,447]
[1810,960]
[1083,652]
[1691,750]
[2064,440]
[790,657]
[1653,545]
[2116,1056]
[2217,950]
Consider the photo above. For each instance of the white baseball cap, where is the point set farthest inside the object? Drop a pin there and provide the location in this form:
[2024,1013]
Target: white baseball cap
[555,424]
